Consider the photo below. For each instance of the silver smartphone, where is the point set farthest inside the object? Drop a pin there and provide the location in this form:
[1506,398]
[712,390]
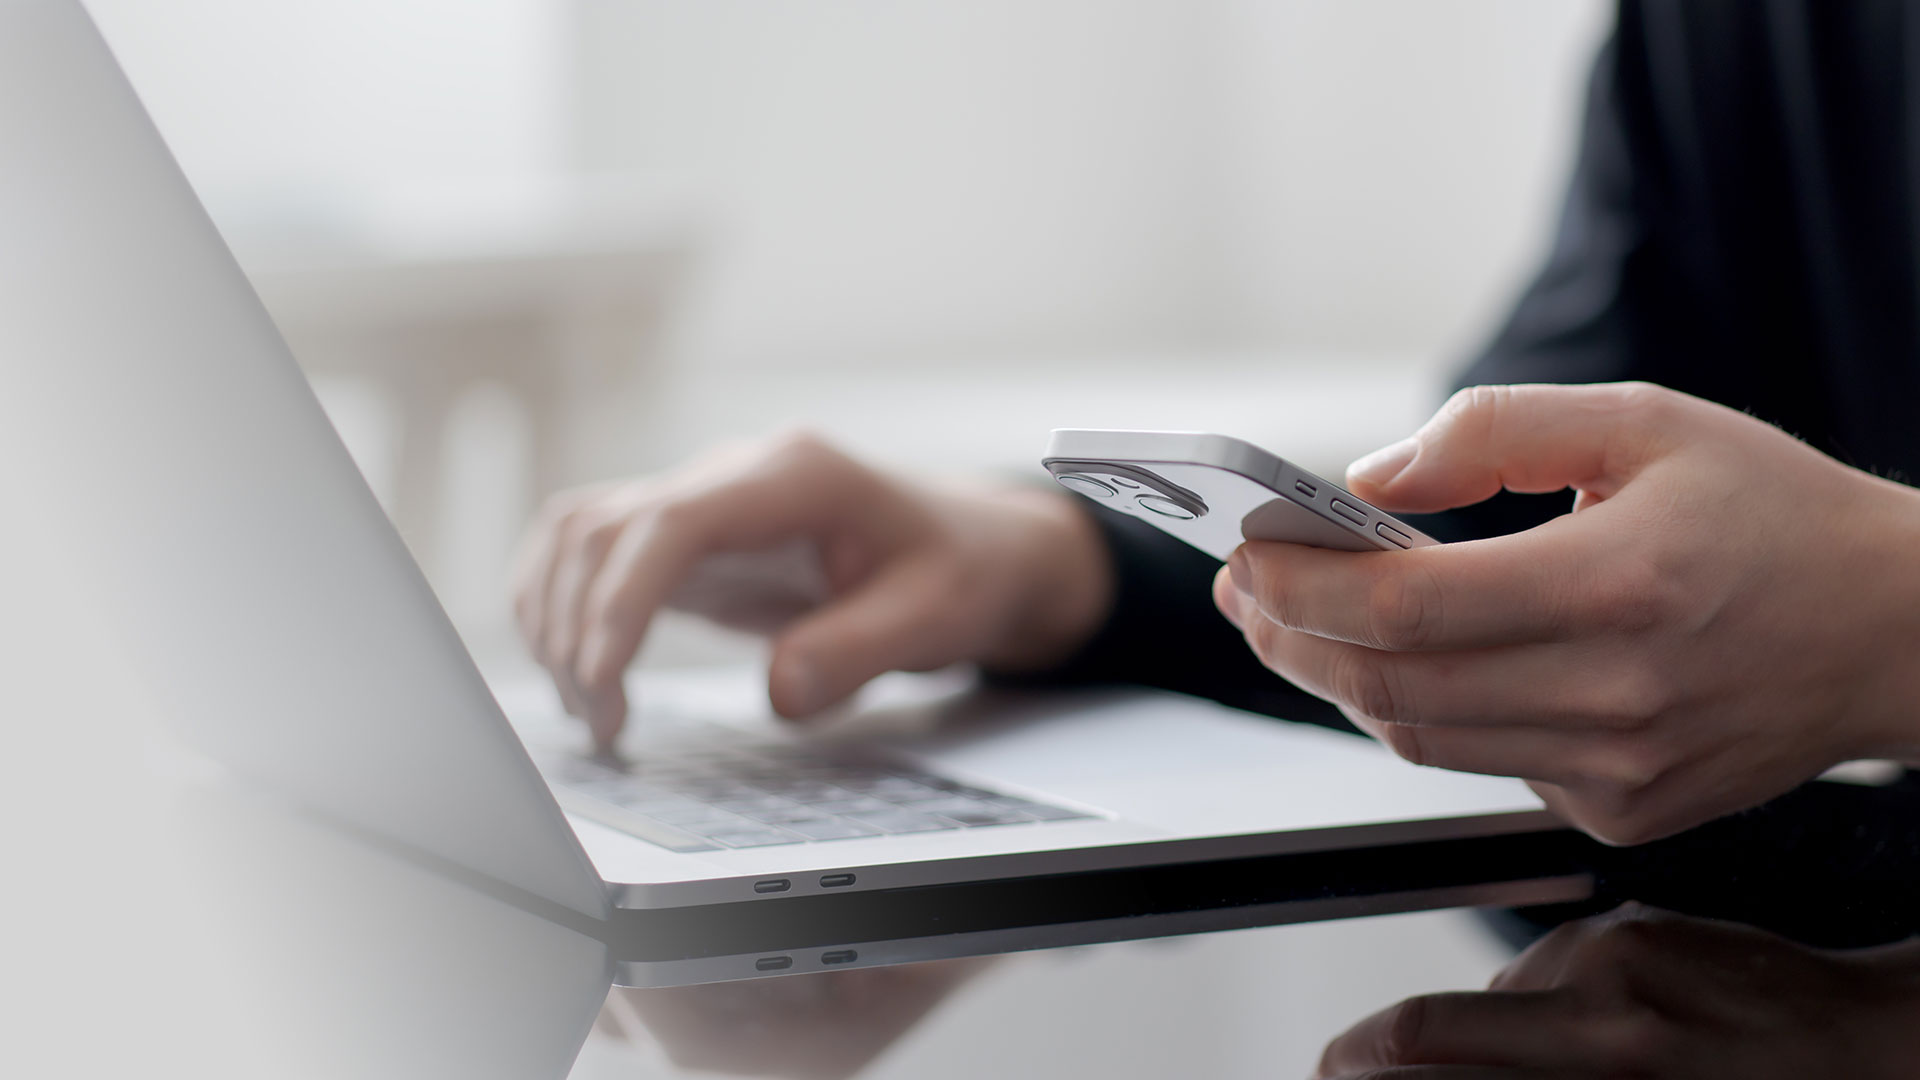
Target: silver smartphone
[1216,492]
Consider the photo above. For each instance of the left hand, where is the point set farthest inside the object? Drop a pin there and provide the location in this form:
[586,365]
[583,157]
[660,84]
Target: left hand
[1726,613]
[1646,993]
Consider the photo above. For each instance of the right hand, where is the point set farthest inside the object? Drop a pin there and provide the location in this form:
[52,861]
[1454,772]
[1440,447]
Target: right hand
[888,576]
[1726,613]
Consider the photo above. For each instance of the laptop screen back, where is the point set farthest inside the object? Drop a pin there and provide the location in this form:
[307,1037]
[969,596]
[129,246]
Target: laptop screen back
[157,422]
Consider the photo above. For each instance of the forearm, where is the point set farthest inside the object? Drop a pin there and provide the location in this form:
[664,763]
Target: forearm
[1886,681]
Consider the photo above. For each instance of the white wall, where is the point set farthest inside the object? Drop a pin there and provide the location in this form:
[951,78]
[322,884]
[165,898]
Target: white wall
[896,182]
[1389,168]
[288,107]
[909,182]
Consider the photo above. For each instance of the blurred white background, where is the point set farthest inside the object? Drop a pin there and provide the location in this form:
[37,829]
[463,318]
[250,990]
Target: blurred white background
[527,243]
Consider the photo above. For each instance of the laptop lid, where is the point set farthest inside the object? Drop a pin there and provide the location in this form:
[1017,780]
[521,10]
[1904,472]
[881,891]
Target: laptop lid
[161,428]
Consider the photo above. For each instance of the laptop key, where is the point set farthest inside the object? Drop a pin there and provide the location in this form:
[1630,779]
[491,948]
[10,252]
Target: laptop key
[985,815]
[695,798]
[830,829]
[805,791]
[903,821]
[690,814]
[953,808]
[654,832]
[1039,811]
[784,814]
[745,838]
[752,804]
[854,806]
[896,790]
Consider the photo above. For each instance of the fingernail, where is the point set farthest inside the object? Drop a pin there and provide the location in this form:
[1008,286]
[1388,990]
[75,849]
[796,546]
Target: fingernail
[1381,466]
[1241,573]
[800,685]
[1241,604]
[1228,600]
[605,729]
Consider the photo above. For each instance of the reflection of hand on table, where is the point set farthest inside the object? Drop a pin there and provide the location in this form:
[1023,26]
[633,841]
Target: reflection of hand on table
[1646,993]
[805,1027]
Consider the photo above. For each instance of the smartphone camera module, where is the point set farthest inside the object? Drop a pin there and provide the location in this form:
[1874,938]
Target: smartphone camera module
[1111,482]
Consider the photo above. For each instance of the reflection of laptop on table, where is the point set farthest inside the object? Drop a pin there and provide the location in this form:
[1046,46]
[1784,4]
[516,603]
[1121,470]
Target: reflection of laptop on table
[265,598]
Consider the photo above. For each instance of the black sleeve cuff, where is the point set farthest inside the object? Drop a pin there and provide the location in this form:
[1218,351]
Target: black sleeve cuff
[1164,631]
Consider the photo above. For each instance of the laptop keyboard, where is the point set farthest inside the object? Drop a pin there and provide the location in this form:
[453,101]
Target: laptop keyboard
[761,796]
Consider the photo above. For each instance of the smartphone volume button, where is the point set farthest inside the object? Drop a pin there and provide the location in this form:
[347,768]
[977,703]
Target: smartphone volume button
[1351,513]
[1305,488]
[1392,535]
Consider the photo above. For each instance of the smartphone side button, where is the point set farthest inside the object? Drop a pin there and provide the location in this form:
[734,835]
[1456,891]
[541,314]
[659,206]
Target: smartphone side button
[1351,513]
[1305,488]
[1393,535]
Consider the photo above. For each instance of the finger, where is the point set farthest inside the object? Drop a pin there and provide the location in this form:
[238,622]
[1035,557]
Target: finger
[573,701]
[536,562]
[1531,752]
[532,568]
[1576,688]
[605,709]
[534,577]
[652,558]
[1545,964]
[888,623]
[588,538]
[1543,756]
[1521,438]
[1550,583]
[1636,945]
[1543,1031]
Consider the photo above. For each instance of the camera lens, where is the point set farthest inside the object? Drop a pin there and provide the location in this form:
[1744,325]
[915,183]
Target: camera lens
[1085,485]
[1166,507]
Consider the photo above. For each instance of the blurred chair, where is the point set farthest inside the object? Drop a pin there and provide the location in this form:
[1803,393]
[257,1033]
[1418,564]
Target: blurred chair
[555,290]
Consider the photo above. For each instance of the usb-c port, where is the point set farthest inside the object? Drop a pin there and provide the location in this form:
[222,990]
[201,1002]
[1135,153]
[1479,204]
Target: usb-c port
[835,881]
[839,956]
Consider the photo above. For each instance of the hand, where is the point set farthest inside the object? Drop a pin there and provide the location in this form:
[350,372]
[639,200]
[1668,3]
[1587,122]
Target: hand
[852,571]
[1725,614]
[1645,993]
[822,1026]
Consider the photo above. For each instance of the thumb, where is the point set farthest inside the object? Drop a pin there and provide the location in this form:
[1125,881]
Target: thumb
[891,621]
[1531,439]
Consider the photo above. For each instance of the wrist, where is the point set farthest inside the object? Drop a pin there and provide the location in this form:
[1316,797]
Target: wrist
[1065,587]
[1889,701]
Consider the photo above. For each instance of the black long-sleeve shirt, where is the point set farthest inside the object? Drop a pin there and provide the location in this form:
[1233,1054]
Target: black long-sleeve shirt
[1740,225]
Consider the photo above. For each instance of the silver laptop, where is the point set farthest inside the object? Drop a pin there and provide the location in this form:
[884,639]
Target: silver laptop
[264,598]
